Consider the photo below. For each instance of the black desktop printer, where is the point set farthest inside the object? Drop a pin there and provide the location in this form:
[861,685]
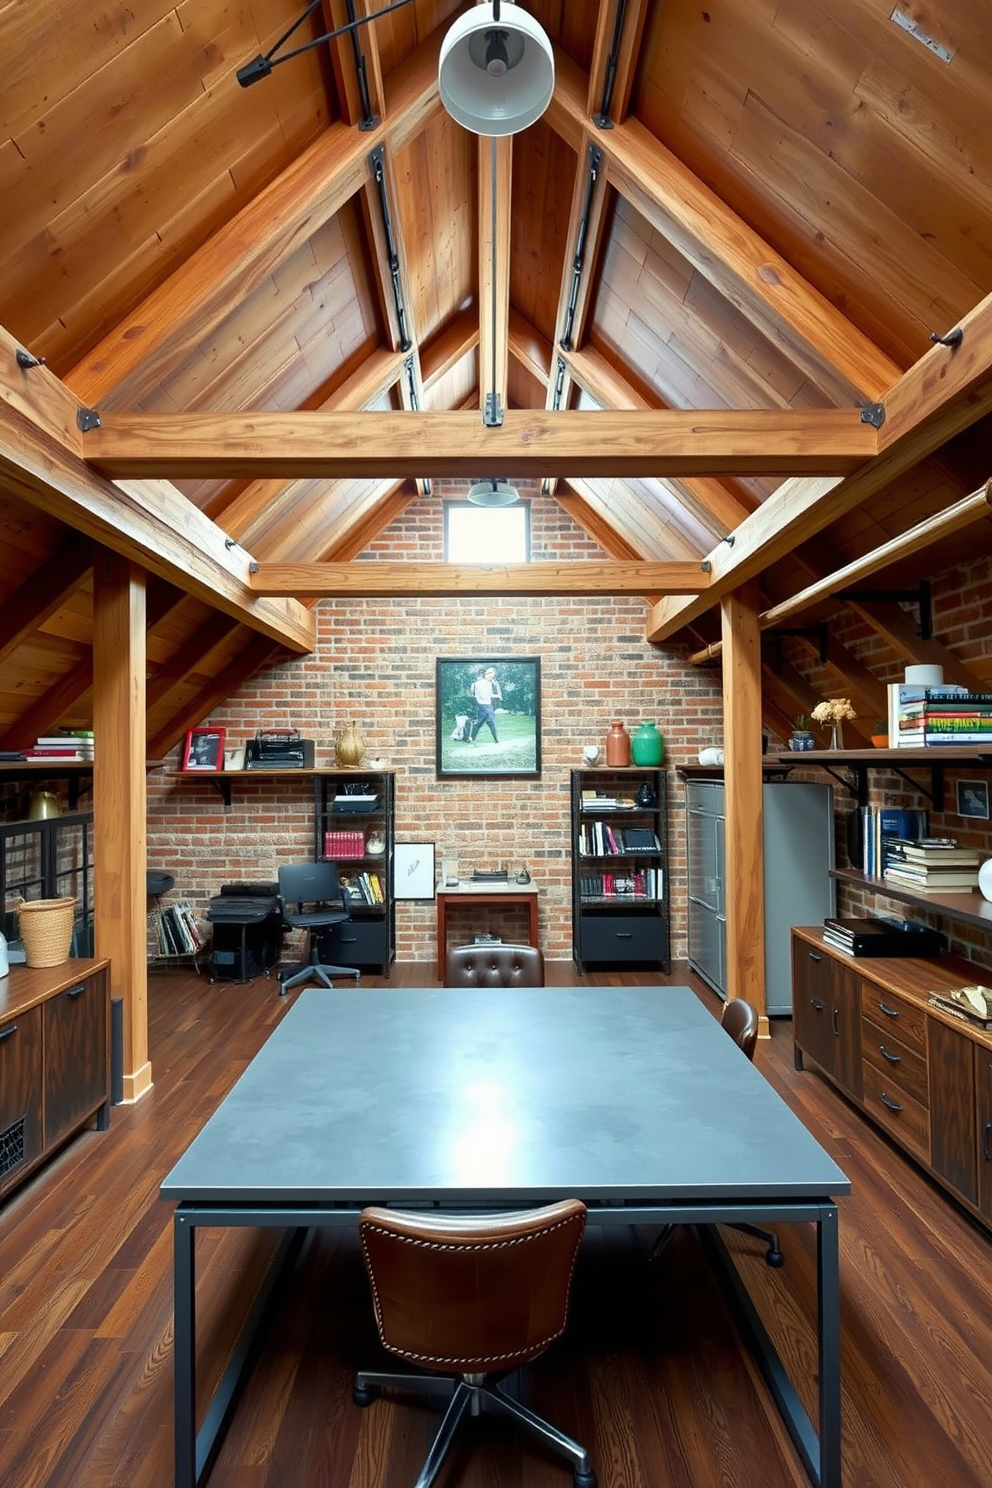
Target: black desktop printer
[279,749]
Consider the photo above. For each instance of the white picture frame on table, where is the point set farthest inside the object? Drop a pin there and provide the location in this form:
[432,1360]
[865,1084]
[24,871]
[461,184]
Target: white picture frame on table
[413,870]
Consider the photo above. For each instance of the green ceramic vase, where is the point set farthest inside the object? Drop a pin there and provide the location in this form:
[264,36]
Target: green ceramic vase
[646,745]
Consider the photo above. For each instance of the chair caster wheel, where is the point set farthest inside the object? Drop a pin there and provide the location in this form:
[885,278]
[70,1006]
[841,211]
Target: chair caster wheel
[774,1258]
[363,1394]
[584,1479]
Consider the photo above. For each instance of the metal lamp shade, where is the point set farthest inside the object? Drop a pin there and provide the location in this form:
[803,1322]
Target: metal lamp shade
[515,89]
[492,493]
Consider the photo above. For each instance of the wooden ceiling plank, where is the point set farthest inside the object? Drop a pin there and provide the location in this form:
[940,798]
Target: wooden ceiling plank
[529,443]
[255,655]
[149,343]
[153,525]
[43,593]
[944,392]
[408,580]
[810,331]
[48,711]
[495,176]
[190,658]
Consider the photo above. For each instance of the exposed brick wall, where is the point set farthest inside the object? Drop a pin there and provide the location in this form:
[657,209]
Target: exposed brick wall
[374,664]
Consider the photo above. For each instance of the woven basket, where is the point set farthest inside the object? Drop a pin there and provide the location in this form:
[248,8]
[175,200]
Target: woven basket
[45,927]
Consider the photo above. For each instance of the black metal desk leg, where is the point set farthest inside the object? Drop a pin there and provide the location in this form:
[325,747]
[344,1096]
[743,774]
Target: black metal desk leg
[184,1349]
[828,1297]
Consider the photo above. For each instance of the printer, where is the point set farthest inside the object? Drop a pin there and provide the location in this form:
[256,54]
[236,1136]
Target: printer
[279,749]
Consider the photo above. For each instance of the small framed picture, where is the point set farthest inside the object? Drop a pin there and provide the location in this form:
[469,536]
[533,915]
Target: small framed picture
[413,870]
[973,798]
[204,749]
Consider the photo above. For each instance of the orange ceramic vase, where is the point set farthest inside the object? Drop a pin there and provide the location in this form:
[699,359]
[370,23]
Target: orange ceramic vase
[617,745]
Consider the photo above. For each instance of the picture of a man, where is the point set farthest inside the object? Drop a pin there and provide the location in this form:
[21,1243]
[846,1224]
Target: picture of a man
[487,694]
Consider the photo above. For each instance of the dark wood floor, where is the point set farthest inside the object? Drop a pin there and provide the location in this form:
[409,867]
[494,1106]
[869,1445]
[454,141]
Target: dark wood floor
[650,1377]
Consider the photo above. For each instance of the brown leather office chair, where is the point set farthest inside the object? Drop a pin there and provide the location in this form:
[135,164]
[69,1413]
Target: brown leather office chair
[494,965]
[741,1022]
[467,1295]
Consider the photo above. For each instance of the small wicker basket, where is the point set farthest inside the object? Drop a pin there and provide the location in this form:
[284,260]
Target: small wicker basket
[45,927]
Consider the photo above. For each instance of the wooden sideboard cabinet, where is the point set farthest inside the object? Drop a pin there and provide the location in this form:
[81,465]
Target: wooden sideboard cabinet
[54,1061]
[922,1075]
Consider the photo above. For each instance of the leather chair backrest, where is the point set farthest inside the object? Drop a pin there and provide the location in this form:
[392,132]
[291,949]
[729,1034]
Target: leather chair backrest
[497,965]
[741,1022]
[467,1294]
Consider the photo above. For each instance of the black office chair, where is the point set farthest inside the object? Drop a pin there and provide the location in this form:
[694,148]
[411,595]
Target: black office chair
[741,1022]
[312,898]
[471,1297]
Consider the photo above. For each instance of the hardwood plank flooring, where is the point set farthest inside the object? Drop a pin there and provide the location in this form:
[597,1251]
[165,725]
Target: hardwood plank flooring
[650,1376]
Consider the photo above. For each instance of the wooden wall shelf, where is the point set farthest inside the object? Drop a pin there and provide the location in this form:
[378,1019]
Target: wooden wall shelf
[969,909]
[860,761]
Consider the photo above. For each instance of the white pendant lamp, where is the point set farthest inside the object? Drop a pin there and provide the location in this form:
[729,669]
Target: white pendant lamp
[492,493]
[497,69]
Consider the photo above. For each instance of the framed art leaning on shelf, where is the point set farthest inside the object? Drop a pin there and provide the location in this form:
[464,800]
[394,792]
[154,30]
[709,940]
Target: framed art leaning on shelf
[488,715]
[204,749]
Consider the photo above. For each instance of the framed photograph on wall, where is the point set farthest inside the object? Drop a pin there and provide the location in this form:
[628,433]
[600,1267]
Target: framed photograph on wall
[204,749]
[973,798]
[487,715]
[413,870]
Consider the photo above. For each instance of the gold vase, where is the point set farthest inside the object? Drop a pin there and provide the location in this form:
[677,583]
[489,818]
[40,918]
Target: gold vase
[349,747]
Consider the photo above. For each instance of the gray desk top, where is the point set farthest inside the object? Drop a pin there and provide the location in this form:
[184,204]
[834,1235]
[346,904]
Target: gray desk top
[507,1097]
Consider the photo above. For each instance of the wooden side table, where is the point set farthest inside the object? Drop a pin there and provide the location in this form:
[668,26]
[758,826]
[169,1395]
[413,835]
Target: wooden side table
[482,893]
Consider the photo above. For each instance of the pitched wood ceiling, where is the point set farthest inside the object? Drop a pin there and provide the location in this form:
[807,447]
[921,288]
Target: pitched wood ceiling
[791,199]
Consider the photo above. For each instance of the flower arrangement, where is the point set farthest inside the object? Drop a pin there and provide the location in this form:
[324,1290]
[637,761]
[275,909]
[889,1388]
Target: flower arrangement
[834,710]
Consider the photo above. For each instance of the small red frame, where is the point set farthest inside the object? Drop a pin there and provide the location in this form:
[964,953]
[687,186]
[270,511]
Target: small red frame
[204,749]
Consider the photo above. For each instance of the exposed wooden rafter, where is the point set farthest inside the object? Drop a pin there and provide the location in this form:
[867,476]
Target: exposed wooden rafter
[407,580]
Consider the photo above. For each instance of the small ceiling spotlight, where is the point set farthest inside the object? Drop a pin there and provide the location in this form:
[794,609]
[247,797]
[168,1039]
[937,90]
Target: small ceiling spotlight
[495,492]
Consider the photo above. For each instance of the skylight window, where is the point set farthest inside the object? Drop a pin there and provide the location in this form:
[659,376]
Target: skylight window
[481,534]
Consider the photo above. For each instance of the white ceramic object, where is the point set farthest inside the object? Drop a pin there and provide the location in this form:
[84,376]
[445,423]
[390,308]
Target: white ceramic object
[925,676]
[712,756]
[590,753]
[985,879]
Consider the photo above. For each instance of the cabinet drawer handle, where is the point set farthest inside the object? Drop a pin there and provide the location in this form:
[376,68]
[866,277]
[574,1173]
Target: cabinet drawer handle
[76,991]
[835,1022]
[815,1002]
[889,1012]
[892,1105]
[986,1133]
[624,934]
[815,956]
[892,1058]
[8,1032]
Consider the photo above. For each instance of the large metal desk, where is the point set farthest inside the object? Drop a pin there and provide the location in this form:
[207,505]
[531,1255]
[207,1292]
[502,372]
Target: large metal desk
[632,1099]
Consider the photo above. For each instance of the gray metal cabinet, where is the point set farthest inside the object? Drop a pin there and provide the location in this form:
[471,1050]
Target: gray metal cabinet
[798,825]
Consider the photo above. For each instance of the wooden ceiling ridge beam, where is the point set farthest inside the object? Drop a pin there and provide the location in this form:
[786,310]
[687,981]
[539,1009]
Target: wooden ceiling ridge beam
[768,291]
[389,580]
[529,442]
[144,347]
[152,524]
[495,177]
[945,392]
[47,589]
[584,236]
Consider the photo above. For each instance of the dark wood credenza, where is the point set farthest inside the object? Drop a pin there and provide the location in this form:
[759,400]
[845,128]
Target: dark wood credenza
[921,1074]
[54,1061]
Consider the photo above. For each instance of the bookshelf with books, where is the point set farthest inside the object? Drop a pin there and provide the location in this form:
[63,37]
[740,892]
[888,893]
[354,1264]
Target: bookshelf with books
[354,829]
[620,867]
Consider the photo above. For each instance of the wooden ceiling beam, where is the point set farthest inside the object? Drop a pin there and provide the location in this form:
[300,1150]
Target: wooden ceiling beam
[529,443]
[456,338]
[796,318]
[47,589]
[901,634]
[151,524]
[256,654]
[625,63]
[48,711]
[943,393]
[144,347]
[495,181]
[409,580]
[345,64]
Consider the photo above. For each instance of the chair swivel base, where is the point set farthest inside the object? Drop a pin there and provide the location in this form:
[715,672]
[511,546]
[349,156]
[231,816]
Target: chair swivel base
[313,971]
[473,1393]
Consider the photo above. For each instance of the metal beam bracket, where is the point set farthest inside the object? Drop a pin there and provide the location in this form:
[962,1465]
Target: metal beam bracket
[25,360]
[921,597]
[602,120]
[492,416]
[874,414]
[578,261]
[87,419]
[377,162]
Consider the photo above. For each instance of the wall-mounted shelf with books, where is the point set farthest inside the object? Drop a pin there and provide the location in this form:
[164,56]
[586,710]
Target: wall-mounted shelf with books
[969,909]
[935,758]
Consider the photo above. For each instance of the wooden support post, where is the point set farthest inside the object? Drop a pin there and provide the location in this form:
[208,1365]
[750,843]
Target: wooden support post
[744,853]
[119,887]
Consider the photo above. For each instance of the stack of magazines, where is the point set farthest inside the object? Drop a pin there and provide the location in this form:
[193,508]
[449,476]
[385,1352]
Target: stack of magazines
[882,937]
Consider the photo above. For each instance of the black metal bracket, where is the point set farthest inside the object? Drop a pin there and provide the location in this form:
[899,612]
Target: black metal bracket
[377,161]
[492,415]
[602,120]
[369,120]
[953,338]
[820,631]
[87,419]
[922,597]
[560,370]
[874,414]
[25,360]
[578,261]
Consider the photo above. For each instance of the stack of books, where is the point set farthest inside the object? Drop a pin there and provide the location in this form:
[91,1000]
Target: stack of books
[932,865]
[882,937]
[945,717]
[63,747]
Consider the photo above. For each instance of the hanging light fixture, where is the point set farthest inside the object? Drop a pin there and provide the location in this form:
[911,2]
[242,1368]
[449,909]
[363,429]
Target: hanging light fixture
[497,69]
[493,492]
